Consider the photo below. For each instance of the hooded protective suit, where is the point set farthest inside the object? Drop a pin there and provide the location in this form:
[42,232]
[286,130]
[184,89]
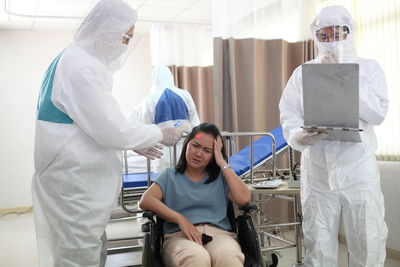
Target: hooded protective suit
[340,179]
[168,106]
[80,132]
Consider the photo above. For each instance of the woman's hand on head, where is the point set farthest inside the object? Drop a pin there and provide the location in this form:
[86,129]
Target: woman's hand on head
[219,158]
[190,230]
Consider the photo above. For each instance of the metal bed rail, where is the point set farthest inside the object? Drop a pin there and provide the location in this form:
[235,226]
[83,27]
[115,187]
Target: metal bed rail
[251,136]
[262,227]
[127,197]
[136,192]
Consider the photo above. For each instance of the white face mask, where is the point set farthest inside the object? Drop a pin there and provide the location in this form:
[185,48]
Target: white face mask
[115,65]
[114,56]
[339,50]
[330,46]
[116,51]
[337,47]
[120,53]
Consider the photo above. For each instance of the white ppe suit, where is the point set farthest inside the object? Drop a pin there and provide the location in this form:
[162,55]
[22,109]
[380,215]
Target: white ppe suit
[340,179]
[80,132]
[168,106]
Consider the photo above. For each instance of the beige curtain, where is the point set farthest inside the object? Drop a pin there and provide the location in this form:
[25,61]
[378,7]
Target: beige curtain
[249,78]
[242,91]
[198,81]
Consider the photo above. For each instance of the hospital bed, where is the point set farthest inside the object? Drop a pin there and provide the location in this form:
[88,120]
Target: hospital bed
[135,180]
[252,165]
[264,150]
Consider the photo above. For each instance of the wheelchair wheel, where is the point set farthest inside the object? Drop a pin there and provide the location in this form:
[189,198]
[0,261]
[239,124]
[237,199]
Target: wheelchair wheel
[274,259]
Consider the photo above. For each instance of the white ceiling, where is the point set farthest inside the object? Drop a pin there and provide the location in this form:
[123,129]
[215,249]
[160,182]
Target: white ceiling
[66,14]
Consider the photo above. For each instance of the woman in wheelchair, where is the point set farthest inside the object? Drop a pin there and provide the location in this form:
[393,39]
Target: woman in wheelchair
[193,199]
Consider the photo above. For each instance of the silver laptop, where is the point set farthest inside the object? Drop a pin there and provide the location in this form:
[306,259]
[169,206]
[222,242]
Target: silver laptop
[330,99]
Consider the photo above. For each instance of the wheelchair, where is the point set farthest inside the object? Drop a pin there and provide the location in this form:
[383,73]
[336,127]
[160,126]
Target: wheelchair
[242,225]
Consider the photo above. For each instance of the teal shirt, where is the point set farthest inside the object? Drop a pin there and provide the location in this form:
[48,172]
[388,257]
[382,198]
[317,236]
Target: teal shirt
[198,202]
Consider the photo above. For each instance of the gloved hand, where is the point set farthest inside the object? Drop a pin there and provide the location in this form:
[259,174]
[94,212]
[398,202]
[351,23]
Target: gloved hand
[170,136]
[154,152]
[310,138]
[329,58]
[183,125]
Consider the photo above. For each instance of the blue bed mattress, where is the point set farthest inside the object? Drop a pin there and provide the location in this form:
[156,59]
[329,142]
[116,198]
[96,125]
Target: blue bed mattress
[240,162]
[136,179]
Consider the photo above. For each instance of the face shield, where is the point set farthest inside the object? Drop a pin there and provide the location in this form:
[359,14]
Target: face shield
[134,40]
[333,32]
[333,43]
[126,44]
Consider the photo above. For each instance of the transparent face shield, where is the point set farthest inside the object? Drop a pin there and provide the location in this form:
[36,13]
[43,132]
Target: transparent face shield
[128,42]
[133,41]
[330,40]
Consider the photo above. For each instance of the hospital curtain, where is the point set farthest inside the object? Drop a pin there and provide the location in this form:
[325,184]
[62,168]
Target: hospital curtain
[257,45]
[188,51]
[249,77]
[199,82]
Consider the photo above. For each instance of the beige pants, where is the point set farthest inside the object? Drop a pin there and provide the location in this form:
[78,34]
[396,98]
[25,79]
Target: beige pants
[222,251]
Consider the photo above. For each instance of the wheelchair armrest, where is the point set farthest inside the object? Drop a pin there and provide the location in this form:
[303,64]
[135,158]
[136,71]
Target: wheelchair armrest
[248,208]
[148,214]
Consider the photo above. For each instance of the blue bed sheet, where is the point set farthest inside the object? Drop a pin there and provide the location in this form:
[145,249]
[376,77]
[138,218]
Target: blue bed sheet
[240,162]
[136,179]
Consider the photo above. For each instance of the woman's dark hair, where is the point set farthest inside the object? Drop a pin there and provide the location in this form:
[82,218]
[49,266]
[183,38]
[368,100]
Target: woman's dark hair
[212,168]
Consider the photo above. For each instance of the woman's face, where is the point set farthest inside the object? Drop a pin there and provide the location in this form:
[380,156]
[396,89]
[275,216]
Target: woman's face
[200,151]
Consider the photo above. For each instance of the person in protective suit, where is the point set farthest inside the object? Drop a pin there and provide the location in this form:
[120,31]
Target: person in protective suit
[168,106]
[339,179]
[80,132]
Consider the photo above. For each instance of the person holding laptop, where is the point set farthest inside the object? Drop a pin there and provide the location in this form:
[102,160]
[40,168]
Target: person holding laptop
[339,179]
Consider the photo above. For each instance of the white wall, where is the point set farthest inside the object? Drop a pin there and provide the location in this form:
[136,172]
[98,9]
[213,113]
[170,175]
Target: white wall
[24,57]
[390,184]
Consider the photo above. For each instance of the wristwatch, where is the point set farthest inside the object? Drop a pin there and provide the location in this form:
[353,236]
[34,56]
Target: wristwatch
[226,167]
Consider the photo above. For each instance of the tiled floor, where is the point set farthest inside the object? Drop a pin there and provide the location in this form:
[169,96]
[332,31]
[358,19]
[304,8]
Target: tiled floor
[18,246]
